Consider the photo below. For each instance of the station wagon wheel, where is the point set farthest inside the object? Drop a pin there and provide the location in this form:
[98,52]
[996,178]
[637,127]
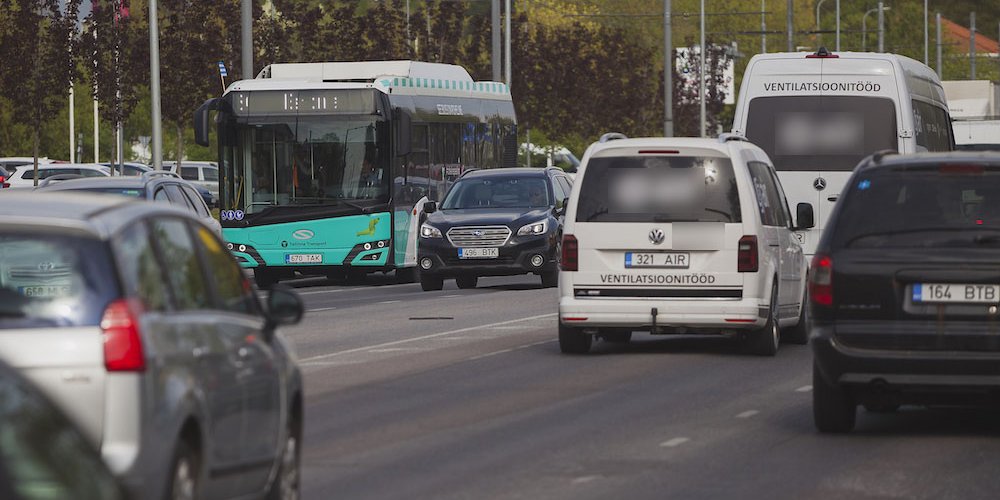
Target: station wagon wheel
[430,282]
[467,282]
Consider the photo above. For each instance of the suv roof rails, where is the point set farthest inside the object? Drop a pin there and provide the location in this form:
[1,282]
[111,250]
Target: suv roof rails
[878,155]
[612,136]
[466,171]
[159,173]
[728,136]
[58,178]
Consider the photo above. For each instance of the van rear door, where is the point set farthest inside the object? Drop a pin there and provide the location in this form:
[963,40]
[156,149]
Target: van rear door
[659,224]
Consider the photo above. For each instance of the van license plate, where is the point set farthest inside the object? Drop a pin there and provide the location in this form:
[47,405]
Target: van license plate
[304,258]
[478,253]
[662,260]
[956,293]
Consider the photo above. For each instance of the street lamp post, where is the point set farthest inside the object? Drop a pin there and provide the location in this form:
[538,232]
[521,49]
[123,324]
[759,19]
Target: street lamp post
[864,28]
[819,36]
[881,27]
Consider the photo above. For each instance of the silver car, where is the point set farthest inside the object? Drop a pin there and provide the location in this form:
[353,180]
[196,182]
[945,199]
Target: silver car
[135,319]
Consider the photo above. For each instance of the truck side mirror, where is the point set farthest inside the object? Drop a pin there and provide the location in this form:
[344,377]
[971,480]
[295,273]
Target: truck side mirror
[804,217]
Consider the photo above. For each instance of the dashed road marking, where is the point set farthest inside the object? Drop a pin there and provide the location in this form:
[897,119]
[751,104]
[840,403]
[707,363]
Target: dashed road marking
[450,296]
[747,414]
[321,309]
[675,442]
[585,479]
[390,302]
[494,353]
[805,388]
[400,349]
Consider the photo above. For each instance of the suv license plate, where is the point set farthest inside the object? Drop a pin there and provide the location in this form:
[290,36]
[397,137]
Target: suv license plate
[956,293]
[663,260]
[304,258]
[478,253]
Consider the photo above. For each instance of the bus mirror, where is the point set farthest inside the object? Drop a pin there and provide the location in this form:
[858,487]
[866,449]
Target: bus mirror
[804,216]
[403,126]
[201,126]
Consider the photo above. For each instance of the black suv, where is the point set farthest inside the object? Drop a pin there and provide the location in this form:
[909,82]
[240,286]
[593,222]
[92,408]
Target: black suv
[499,222]
[905,288]
[156,185]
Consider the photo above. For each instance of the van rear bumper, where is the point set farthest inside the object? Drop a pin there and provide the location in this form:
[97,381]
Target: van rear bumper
[719,314]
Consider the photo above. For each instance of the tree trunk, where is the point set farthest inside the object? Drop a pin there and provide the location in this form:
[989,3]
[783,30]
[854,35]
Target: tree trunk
[34,136]
[180,146]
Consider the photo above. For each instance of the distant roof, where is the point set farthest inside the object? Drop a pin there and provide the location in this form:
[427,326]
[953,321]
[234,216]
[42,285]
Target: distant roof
[958,35]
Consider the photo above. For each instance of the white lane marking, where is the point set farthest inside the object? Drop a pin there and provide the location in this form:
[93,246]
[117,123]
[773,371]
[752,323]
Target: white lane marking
[805,388]
[449,296]
[509,327]
[585,479]
[390,302]
[315,292]
[675,442]
[747,414]
[321,309]
[424,337]
[400,349]
[494,353]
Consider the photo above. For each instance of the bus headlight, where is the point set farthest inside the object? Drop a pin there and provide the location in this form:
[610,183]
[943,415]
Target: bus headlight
[534,228]
[427,231]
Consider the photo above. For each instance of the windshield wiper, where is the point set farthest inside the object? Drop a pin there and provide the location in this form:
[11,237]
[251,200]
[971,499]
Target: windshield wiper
[363,209]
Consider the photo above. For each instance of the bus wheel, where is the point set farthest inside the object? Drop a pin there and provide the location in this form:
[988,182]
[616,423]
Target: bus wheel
[265,278]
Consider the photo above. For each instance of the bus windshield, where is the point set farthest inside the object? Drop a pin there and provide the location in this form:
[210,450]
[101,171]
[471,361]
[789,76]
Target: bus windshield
[307,161]
[821,133]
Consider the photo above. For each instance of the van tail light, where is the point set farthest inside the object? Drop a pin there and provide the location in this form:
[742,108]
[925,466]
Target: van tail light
[746,257]
[821,280]
[122,341]
[570,253]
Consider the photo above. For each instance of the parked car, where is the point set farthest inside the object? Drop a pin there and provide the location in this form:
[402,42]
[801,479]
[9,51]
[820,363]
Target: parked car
[135,319]
[24,175]
[42,454]
[153,185]
[905,287]
[129,169]
[17,161]
[685,236]
[497,222]
[202,173]
[3,178]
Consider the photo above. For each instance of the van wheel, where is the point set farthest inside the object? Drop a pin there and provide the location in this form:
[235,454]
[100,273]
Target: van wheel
[833,408]
[798,334]
[550,279]
[466,282]
[184,479]
[431,283]
[617,336]
[764,342]
[573,340]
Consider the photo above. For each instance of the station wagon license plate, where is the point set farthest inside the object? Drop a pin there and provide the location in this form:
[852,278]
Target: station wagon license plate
[956,293]
[478,253]
[662,260]
[44,291]
[304,258]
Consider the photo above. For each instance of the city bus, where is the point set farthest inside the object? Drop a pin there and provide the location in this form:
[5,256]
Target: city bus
[818,114]
[324,168]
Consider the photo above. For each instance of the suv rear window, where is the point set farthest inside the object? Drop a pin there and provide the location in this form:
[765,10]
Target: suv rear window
[946,205]
[49,280]
[659,189]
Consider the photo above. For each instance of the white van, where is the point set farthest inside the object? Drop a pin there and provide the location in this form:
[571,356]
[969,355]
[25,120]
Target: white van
[686,235]
[817,115]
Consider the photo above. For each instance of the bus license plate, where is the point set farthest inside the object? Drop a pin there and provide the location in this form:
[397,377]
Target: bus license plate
[478,253]
[956,293]
[304,258]
[663,260]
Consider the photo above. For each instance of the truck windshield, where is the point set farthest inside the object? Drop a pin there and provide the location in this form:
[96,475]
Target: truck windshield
[314,160]
[817,133]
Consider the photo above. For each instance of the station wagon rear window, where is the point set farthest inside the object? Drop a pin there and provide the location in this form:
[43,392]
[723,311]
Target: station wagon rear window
[659,189]
[49,280]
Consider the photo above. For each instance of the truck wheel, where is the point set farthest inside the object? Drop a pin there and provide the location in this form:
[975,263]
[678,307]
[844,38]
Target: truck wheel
[573,340]
[834,410]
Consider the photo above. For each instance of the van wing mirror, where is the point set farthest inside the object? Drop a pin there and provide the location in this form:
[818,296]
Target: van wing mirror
[804,216]
[403,125]
[201,125]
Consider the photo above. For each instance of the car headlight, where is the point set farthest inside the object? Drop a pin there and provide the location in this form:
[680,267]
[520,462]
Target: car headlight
[534,228]
[427,231]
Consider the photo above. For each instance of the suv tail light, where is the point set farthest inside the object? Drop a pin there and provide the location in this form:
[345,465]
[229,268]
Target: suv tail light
[122,342]
[570,253]
[746,258]
[821,280]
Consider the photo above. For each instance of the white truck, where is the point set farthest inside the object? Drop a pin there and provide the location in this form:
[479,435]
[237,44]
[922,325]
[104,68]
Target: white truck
[975,107]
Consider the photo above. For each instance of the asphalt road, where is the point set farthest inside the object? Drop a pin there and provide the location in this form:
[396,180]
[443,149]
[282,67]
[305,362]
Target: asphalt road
[464,394]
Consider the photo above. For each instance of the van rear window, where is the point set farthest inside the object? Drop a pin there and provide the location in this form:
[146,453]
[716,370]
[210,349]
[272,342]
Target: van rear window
[659,189]
[821,133]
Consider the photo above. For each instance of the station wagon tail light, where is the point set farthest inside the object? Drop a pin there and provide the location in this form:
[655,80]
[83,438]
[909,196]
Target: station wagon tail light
[746,257]
[821,280]
[122,342]
[570,253]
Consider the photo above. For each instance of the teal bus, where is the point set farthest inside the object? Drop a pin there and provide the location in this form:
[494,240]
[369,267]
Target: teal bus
[324,168]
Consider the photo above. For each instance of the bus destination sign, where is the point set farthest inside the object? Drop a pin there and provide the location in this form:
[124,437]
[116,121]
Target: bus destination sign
[304,102]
